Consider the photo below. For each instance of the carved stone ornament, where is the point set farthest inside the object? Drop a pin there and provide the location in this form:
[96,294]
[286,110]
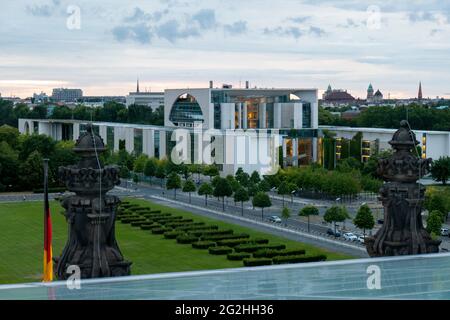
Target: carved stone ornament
[402,197]
[91,214]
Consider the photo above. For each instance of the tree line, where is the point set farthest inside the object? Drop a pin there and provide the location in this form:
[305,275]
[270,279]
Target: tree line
[110,112]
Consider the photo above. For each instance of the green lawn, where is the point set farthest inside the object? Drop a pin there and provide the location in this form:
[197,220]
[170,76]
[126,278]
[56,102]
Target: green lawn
[21,238]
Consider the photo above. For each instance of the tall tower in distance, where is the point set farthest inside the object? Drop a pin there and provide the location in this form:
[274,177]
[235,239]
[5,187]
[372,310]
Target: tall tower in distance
[137,85]
[370,93]
[419,96]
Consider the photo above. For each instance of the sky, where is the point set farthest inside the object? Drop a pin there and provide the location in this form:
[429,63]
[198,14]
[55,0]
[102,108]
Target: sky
[103,46]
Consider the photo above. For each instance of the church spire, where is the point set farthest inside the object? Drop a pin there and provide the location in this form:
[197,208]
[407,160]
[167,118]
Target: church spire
[420,91]
[137,86]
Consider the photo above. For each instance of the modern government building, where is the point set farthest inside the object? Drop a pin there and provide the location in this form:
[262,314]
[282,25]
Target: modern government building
[252,128]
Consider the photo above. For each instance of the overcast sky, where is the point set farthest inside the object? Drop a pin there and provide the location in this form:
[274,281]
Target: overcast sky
[175,43]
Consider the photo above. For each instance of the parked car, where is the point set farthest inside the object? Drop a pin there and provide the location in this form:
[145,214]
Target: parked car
[350,236]
[275,219]
[332,233]
[361,239]
[444,232]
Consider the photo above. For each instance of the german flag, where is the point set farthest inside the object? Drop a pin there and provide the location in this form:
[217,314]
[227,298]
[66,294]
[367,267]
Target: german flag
[48,255]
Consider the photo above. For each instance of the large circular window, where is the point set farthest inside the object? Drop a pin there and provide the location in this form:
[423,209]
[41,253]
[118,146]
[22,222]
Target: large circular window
[186,111]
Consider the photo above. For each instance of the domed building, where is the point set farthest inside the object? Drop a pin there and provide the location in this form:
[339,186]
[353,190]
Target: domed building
[372,97]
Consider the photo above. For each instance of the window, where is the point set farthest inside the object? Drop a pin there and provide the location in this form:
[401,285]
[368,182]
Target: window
[306,115]
[186,110]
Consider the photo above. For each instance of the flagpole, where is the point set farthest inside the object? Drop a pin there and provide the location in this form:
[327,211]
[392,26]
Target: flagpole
[48,258]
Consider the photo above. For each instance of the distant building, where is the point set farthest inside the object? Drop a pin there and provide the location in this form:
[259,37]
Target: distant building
[66,95]
[419,96]
[40,97]
[336,97]
[153,100]
[372,97]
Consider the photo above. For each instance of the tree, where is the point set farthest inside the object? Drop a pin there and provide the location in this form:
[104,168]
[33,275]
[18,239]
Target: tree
[242,177]
[434,222]
[205,190]
[364,218]
[283,189]
[436,202]
[292,189]
[335,214]
[285,214]
[136,178]
[139,163]
[440,170]
[211,171]
[189,186]
[32,170]
[196,169]
[9,162]
[150,168]
[124,172]
[173,183]
[255,178]
[223,189]
[241,195]
[160,172]
[308,211]
[261,200]
[264,186]
[40,143]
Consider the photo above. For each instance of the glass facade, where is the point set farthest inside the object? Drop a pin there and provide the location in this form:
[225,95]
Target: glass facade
[157,140]
[138,141]
[306,119]
[185,111]
[110,137]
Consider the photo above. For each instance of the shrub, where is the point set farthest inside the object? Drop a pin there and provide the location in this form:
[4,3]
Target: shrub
[232,242]
[186,239]
[150,226]
[211,233]
[130,219]
[160,230]
[299,259]
[198,226]
[203,244]
[220,250]
[256,247]
[260,241]
[172,234]
[226,237]
[269,253]
[238,256]
[138,223]
[253,262]
[181,223]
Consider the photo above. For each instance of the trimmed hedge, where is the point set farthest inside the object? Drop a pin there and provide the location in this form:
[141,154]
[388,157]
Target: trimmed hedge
[269,253]
[211,233]
[238,256]
[256,247]
[227,237]
[203,244]
[160,230]
[186,239]
[150,226]
[172,234]
[198,227]
[180,224]
[220,250]
[138,223]
[299,259]
[232,242]
[254,262]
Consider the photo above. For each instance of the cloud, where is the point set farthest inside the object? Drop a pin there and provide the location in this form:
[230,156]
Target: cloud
[238,27]
[295,32]
[206,19]
[300,19]
[139,33]
[140,15]
[316,31]
[416,17]
[349,23]
[173,31]
[45,10]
